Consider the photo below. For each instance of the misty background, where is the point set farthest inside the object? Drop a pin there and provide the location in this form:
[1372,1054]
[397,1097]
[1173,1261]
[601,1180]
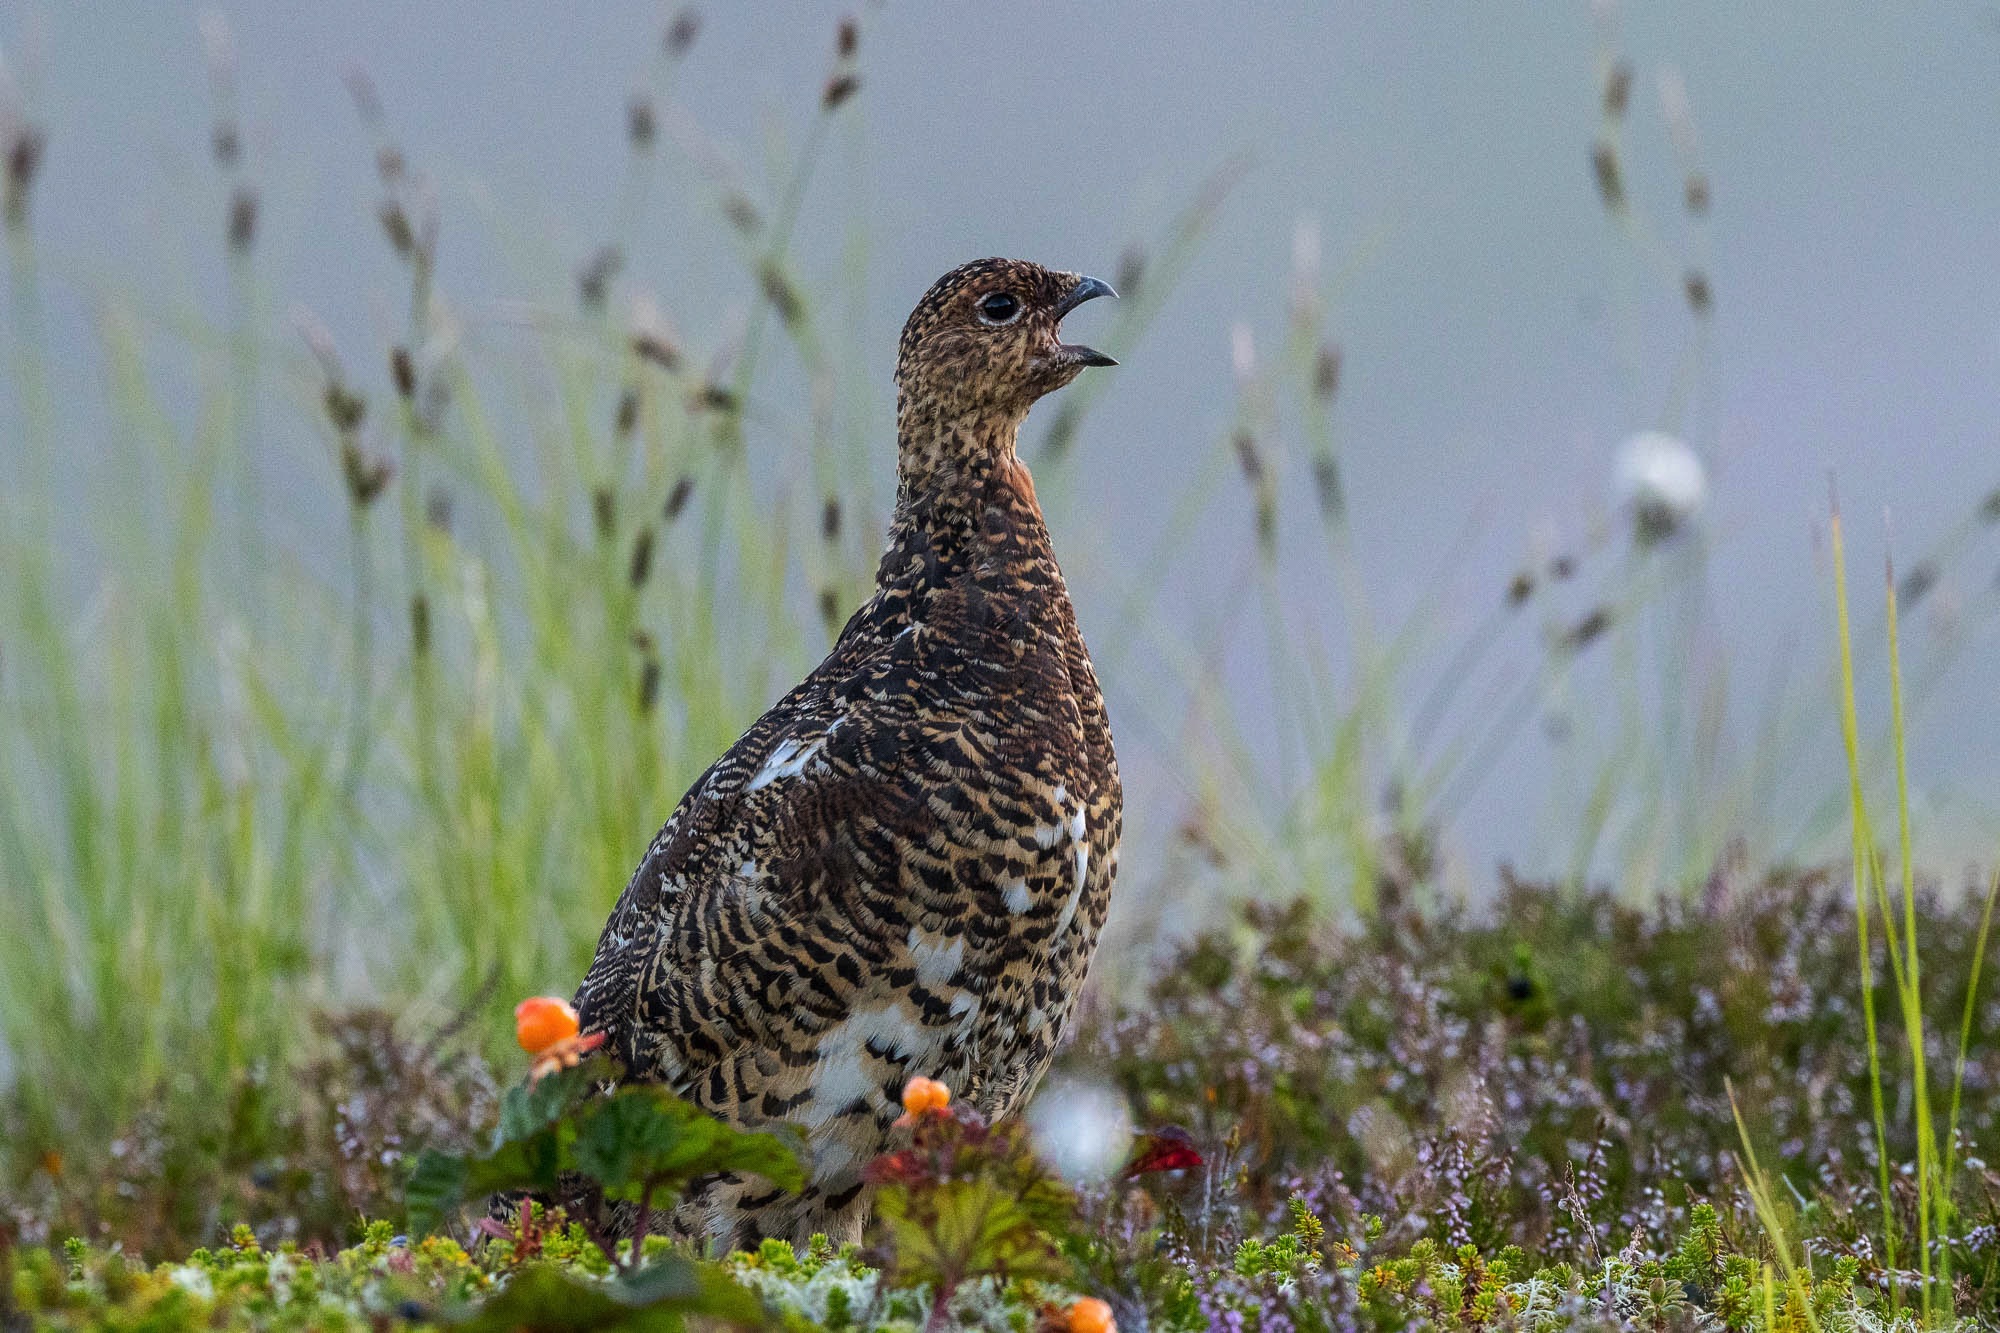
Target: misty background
[1500,336]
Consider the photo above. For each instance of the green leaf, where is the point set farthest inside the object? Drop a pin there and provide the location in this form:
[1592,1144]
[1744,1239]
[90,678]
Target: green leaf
[435,1187]
[959,1229]
[441,1182]
[659,1297]
[643,1135]
[527,1108]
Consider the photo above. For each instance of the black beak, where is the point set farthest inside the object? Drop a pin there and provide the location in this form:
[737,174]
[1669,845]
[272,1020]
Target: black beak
[1089,289]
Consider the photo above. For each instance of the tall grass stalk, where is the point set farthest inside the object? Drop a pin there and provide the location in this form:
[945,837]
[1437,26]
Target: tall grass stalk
[1798,1283]
[1935,1167]
[1864,869]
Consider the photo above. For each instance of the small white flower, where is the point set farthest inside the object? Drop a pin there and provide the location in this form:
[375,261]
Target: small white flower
[1083,1130]
[1661,481]
[1242,353]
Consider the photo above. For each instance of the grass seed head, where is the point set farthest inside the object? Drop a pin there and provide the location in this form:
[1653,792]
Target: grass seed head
[593,280]
[1699,298]
[680,35]
[677,498]
[641,564]
[403,371]
[1326,372]
[1617,89]
[1695,193]
[641,126]
[838,89]
[242,219]
[25,145]
[1610,179]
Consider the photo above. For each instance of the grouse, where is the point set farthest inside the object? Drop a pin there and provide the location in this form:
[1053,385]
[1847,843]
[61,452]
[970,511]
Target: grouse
[901,868]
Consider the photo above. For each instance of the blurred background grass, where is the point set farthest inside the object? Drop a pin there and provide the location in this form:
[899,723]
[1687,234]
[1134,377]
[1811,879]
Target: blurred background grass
[353,658]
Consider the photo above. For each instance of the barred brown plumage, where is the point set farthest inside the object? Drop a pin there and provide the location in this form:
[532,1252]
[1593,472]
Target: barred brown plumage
[903,866]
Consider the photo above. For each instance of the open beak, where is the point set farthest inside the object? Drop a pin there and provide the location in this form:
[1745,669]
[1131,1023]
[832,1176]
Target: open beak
[1089,289]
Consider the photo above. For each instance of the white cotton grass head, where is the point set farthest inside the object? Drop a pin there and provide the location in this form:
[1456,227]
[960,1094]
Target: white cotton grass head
[1082,1129]
[1660,481]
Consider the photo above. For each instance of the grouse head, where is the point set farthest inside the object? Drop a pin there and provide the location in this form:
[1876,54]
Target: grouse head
[986,342]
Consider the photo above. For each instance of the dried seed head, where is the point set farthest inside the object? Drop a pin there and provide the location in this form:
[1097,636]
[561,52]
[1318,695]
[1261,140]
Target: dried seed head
[742,214]
[604,507]
[437,510]
[642,558]
[1562,568]
[242,219]
[652,336]
[829,607]
[847,38]
[389,163]
[649,684]
[654,347]
[714,397]
[1248,457]
[226,143]
[367,101]
[1585,631]
[628,413]
[681,33]
[838,89]
[780,292]
[344,408]
[1617,89]
[365,474]
[593,280]
[677,498]
[1610,183]
[1327,489]
[1695,194]
[404,372]
[396,225]
[1699,298]
[1131,269]
[420,625]
[24,157]
[1917,584]
[640,126]
[829,520]
[1989,508]
[1326,372]
[1520,588]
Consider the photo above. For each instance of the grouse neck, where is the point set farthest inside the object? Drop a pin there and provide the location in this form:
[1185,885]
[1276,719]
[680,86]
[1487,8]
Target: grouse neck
[946,470]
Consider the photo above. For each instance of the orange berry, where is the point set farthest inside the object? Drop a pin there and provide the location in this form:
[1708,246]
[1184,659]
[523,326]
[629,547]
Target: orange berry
[1091,1315]
[541,1021]
[922,1094]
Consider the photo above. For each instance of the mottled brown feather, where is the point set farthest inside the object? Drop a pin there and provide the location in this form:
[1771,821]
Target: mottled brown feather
[903,866]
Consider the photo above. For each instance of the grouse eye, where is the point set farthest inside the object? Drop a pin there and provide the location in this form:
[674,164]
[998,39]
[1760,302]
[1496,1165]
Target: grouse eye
[999,308]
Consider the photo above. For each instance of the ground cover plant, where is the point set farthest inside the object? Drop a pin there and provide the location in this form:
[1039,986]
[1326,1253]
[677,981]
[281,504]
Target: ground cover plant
[278,832]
